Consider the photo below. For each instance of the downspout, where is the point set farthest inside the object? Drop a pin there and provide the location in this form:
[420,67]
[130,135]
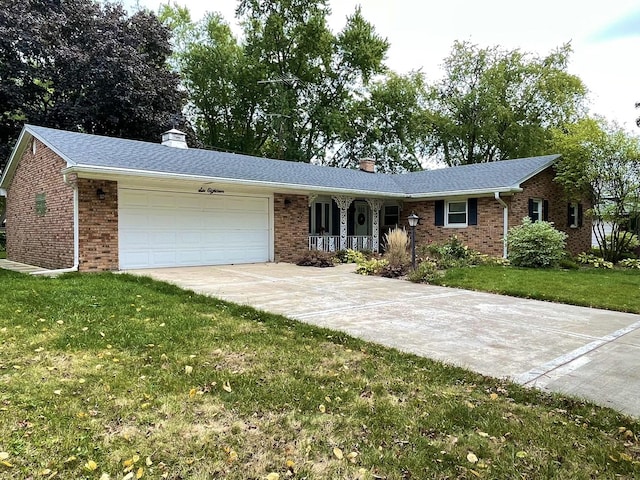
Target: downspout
[505,222]
[76,237]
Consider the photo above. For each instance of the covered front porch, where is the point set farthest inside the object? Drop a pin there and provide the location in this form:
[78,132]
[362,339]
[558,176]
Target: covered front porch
[340,223]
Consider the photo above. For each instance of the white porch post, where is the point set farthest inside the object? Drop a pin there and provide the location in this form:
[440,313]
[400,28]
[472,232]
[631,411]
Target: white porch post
[375,204]
[343,203]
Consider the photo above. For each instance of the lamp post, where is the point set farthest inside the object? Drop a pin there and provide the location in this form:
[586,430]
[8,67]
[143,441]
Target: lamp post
[413,221]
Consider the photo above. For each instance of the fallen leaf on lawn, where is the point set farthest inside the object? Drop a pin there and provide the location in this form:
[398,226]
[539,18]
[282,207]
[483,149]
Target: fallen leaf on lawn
[483,434]
[6,464]
[338,453]
[105,476]
[322,408]
[46,471]
[140,472]
[352,457]
[521,454]
[626,457]
[128,476]
[188,369]
[57,392]
[148,461]
[472,458]
[192,393]
[493,396]
[273,476]
[4,455]
[290,463]
[226,387]
[91,465]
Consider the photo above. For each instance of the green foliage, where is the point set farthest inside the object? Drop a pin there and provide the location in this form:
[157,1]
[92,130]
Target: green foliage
[373,266]
[535,244]
[3,241]
[316,258]
[426,272]
[601,161]
[494,104]
[567,263]
[630,263]
[453,253]
[349,256]
[86,66]
[593,261]
[397,248]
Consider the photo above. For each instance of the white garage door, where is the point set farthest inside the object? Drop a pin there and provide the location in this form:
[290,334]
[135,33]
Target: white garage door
[160,229]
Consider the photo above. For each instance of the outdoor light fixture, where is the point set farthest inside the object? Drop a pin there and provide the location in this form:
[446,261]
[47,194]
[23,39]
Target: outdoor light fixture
[413,220]
[101,194]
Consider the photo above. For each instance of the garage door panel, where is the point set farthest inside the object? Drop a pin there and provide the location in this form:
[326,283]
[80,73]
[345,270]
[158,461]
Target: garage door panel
[171,229]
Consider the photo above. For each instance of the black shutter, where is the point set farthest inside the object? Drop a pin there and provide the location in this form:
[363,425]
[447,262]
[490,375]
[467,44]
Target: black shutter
[569,212]
[579,214]
[439,213]
[472,205]
[545,210]
[531,208]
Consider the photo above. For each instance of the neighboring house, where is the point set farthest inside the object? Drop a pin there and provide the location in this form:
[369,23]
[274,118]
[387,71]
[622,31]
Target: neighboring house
[78,201]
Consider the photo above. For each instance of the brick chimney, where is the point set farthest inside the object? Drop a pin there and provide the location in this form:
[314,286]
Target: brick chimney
[174,138]
[368,165]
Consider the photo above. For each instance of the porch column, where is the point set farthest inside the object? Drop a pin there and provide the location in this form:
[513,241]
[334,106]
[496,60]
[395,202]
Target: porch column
[343,204]
[375,204]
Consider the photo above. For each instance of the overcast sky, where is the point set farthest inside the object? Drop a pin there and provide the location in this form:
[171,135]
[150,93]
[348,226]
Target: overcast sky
[605,36]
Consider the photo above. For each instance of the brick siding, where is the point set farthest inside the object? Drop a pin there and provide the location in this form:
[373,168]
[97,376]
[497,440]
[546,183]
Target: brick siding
[42,240]
[486,237]
[291,227]
[98,225]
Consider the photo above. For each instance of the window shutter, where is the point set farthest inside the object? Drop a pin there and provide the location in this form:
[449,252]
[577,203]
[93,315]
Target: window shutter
[545,210]
[439,205]
[472,205]
[579,214]
[569,215]
[531,208]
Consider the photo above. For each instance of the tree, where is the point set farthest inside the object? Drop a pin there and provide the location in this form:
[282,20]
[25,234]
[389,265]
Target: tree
[79,65]
[291,88]
[602,161]
[494,104]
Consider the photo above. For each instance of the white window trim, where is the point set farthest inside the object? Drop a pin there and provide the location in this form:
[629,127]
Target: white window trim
[466,214]
[539,210]
[574,209]
[328,221]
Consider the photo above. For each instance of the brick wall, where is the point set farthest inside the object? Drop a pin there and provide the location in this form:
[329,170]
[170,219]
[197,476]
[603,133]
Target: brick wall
[486,237]
[291,227]
[542,186]
[98,225]
[40,238]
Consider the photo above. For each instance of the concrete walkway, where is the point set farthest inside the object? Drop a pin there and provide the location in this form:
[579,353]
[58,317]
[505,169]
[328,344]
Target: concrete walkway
[20,267]
[590,353]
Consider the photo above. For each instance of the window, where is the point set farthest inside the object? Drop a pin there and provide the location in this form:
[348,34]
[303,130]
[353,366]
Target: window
[536,210]
[574,215]
[391,215]
[41,204]
[321,218]
[456,213]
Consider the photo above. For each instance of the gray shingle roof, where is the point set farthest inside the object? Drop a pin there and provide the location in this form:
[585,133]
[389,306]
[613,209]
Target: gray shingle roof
[83,150]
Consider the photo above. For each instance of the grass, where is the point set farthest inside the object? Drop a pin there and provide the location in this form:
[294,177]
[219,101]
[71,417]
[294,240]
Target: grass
[608,289]
[3,254]
[114,376]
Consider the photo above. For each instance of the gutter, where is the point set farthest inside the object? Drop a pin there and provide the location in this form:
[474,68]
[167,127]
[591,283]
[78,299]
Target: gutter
[505,222]
[76,238]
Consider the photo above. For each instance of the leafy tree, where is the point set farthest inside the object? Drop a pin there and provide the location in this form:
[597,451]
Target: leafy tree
[602,161]
[494,104]
[80,65]
[291,88]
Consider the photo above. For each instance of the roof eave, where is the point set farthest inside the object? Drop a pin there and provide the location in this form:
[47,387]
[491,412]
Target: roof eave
[550,162]
[114,172]
[465,193]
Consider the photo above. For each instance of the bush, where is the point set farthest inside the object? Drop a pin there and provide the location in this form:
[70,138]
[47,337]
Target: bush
[453,253]
[349,256]
[594,261]
[3,241]
[425,272]
[535,244]
[371,267]
[630,263]
[316,258]
[397,248]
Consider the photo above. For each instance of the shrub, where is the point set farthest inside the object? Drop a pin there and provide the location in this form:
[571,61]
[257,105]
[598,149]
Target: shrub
[535,244]
[593,261]
[630,263]
[393,271]
[453,253]
[371,267]
[316,258]
[568,264]
[349,256]
[425,272]
[397,248]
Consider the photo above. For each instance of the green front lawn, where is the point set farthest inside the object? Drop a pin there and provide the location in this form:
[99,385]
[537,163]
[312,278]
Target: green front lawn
[3,254]
[112,376]
[608,289]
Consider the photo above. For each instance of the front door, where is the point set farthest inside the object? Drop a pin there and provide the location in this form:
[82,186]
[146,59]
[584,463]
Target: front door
[362,219]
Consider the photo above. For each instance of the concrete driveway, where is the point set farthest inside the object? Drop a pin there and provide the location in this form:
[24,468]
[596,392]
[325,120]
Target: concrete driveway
[593,354]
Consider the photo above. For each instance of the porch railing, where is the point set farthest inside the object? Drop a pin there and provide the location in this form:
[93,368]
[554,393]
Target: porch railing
[331,243]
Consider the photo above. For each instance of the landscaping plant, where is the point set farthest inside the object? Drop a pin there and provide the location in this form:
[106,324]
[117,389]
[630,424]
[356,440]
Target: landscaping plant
[535,244]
